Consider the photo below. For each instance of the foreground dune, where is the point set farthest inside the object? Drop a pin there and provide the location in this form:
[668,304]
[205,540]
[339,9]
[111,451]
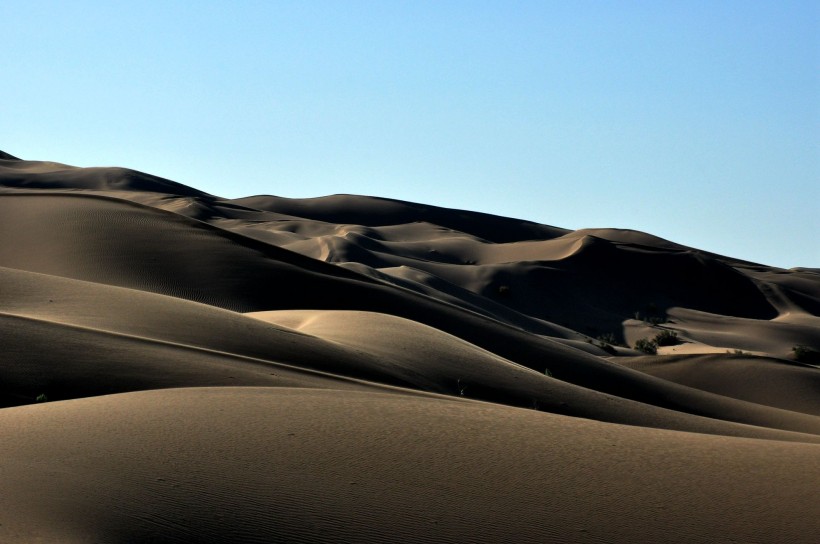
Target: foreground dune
[306,465]
[178,367]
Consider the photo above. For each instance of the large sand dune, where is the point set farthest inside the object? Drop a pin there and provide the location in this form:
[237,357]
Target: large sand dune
[179,367]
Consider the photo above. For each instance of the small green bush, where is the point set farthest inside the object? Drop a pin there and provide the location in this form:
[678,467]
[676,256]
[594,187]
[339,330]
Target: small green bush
[667,338]
[646,346]
[607,342]
[42,397]
[805,354]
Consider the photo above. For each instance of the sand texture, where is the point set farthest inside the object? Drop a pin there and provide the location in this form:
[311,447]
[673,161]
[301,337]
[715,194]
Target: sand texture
[181,367]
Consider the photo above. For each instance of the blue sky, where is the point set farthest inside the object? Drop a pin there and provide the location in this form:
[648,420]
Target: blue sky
[695,121]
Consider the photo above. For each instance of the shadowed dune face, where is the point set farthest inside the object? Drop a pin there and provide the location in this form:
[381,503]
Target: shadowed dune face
[181,367]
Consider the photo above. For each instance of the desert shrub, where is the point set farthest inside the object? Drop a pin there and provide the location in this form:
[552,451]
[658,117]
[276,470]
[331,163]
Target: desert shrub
[608,348]
[805,354]
[608,338]
[605,342]
[667,338]
[651,319]
[646,346]
[652,315]
[461,388]
[41,398]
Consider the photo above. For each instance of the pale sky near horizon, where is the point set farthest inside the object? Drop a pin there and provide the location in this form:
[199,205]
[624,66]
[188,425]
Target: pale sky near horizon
[695,121]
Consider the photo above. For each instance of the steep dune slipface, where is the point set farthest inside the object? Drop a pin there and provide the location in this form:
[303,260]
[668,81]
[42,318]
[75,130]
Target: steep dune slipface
[358,369]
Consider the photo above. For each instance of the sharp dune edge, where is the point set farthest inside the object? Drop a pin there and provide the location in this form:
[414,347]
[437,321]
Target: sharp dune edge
[180,367]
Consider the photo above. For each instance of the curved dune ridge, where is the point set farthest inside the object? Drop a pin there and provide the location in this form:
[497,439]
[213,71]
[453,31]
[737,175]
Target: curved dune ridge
[180,367]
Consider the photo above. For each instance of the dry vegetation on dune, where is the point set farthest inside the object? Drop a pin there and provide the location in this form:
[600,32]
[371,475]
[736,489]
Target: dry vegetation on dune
[179,367]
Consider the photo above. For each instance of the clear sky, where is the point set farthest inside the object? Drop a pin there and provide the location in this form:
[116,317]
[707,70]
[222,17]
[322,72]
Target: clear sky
[696,121]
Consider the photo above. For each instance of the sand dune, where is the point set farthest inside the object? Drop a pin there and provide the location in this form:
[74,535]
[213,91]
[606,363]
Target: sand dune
[301,465]
[761,380]
[179,367]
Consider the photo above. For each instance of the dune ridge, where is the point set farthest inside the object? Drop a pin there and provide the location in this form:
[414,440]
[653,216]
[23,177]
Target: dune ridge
[181,367]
